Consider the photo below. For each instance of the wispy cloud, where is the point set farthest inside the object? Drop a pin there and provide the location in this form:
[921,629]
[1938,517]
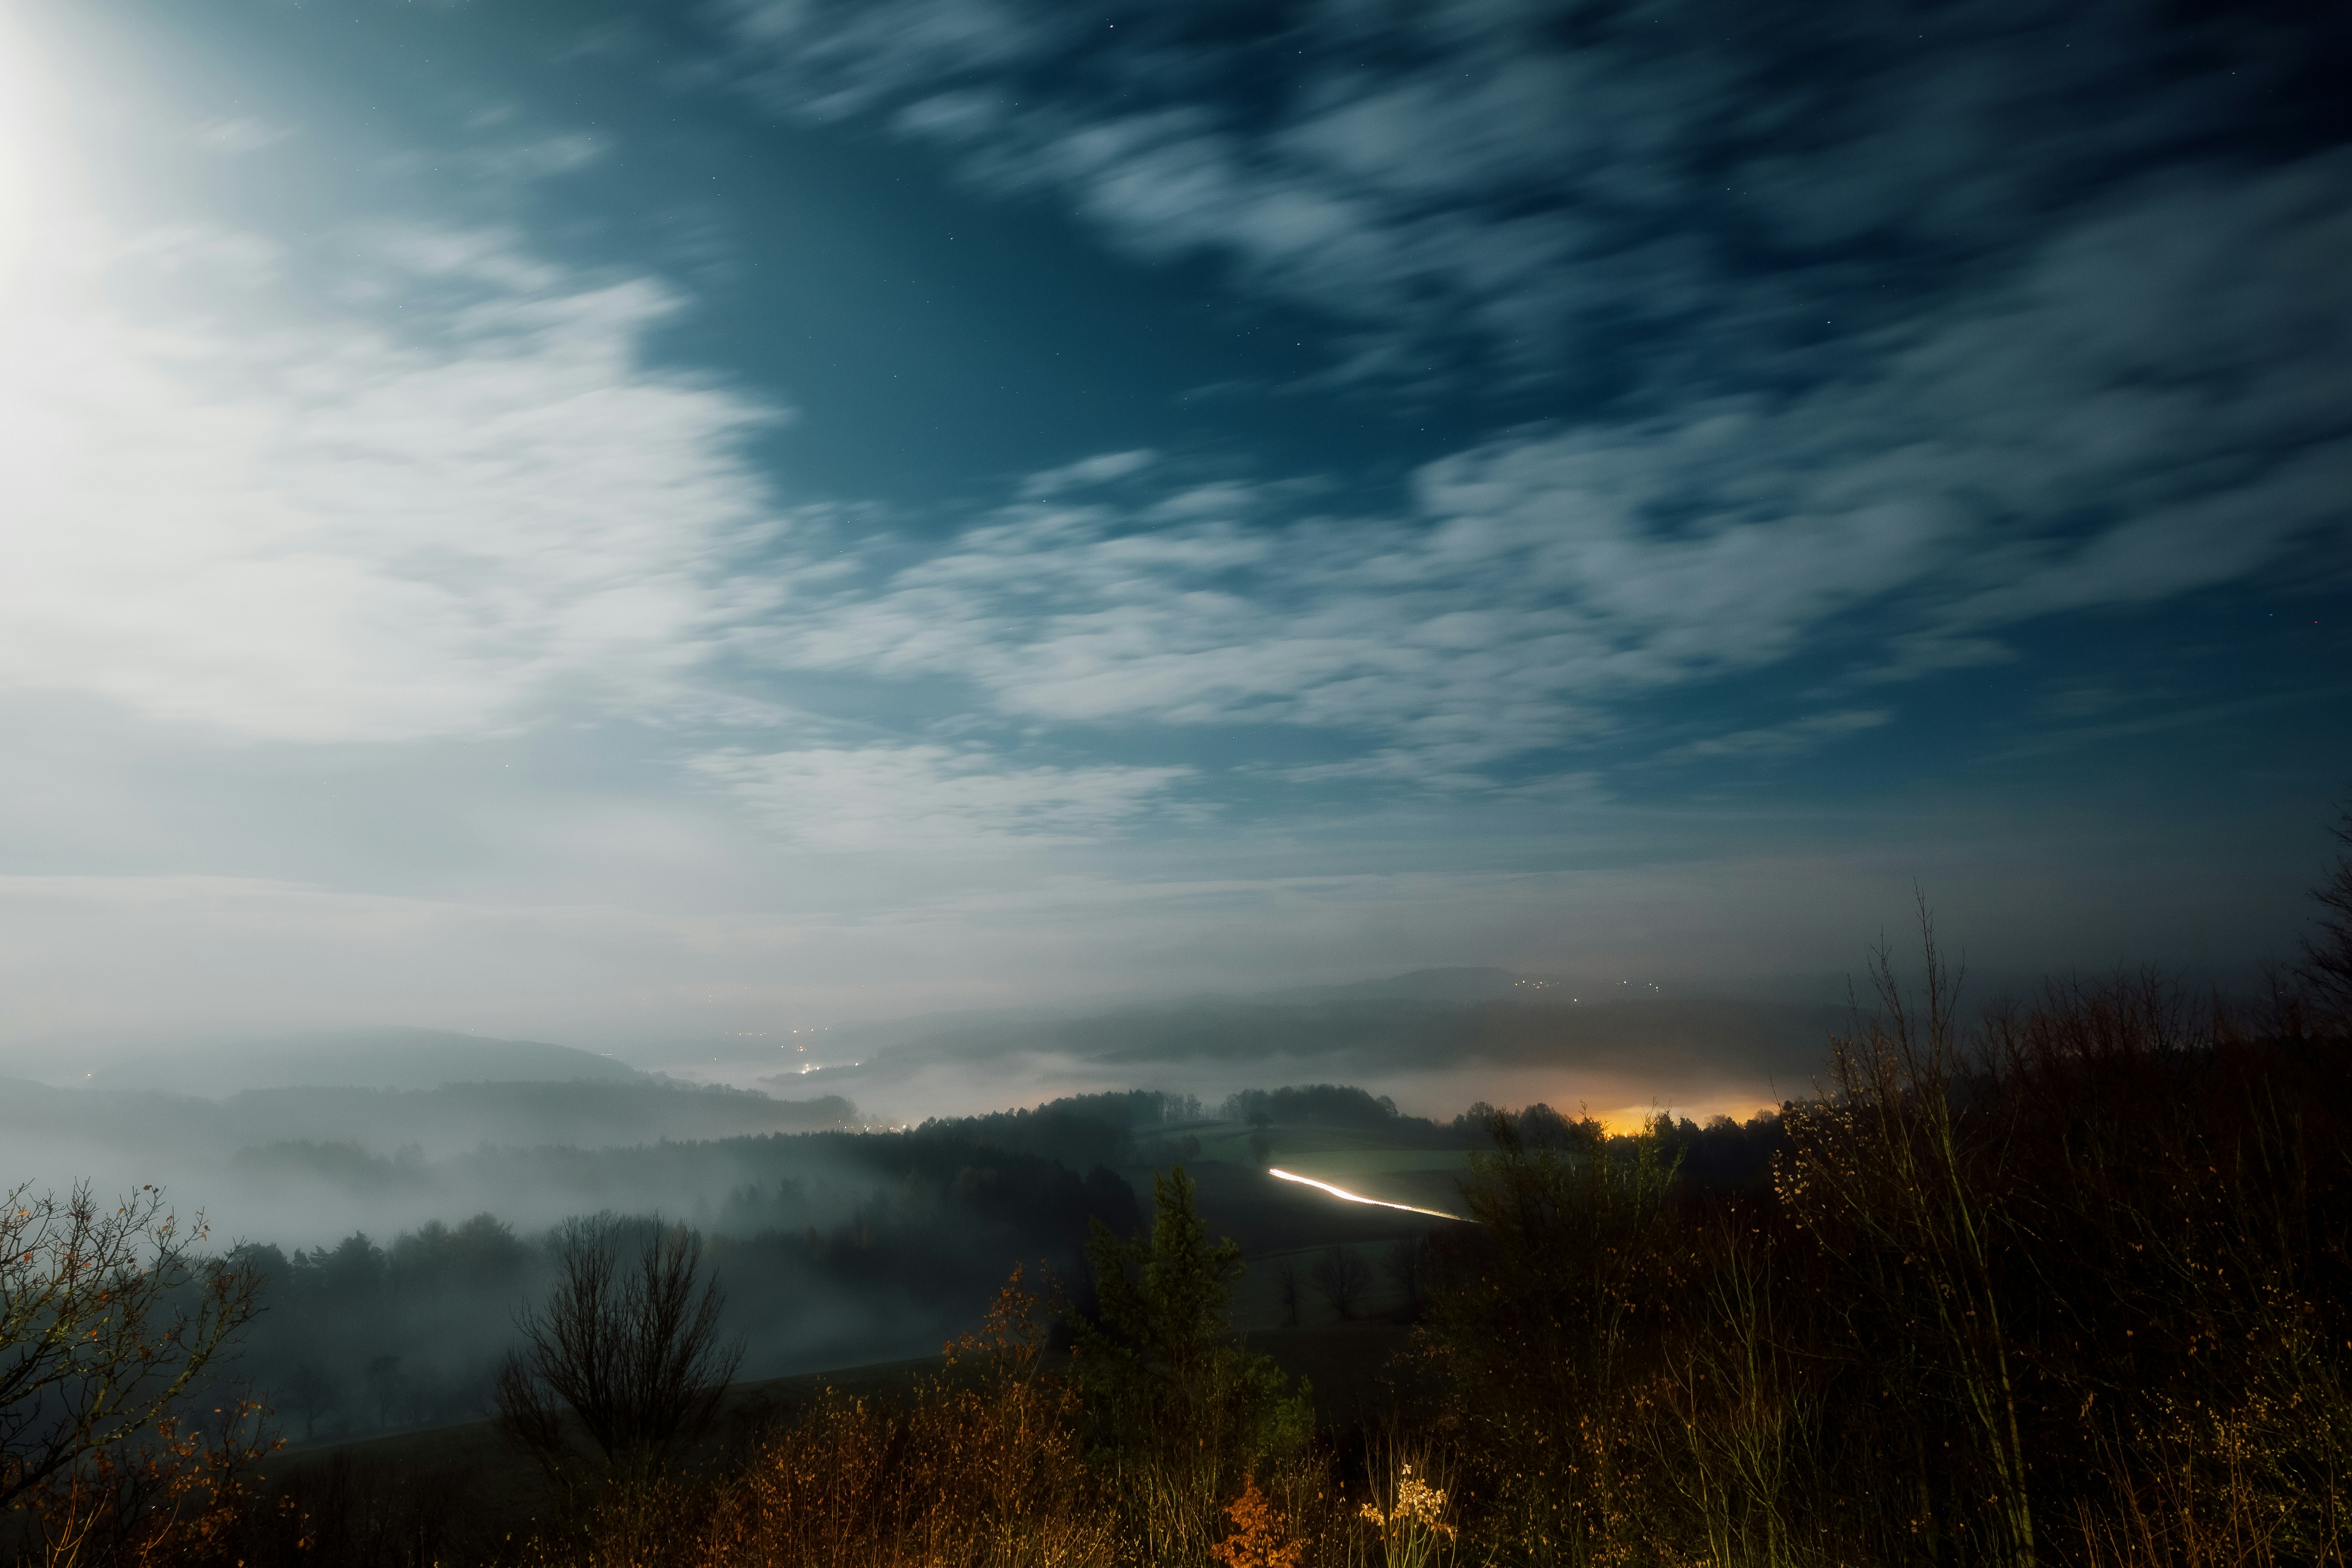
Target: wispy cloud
[1085,474]
[240,135]
[2031,454]
[1865,341]
[1781,739]
[930,797]
[1556,189]
[340,528]
[543,158]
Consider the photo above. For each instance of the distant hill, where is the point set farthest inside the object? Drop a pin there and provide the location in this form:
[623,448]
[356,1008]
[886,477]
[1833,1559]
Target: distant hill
[351,1059]
[1456,984]
[446,1120]
[1418,1023]
[1361,1035]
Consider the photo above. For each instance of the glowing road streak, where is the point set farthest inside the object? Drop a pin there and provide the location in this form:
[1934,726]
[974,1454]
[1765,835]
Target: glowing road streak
[1281,1175]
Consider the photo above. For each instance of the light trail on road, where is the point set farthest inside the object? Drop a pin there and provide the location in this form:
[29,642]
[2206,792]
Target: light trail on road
[1280,1174]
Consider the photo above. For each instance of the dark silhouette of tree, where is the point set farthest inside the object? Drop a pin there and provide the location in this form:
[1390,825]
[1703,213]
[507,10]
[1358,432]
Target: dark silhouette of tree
[1165,1298]
[353,1270]
[632,1353]
[1341,1277]
[1318,1104]
[2326,967]
[312,1393]
[108,1316]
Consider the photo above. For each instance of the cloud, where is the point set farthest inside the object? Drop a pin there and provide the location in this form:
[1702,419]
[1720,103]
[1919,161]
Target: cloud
[340,529]
[543,159]
[930,796]
[1526,593]
[1085,474]
[461,493]
[2048,447]
[1556,188]
[239,136]
[1782,739]
[1867,339]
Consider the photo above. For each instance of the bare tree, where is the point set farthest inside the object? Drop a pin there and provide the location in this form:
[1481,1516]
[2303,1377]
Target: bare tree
[1341,1275]
[1286,1279]
[2326,967]
[632,1353]
[108,1316]
[313,1394]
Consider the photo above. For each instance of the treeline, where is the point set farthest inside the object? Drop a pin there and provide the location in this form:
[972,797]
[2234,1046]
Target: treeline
[1319,1105]
[1151,1127]
[872,1248]
[1724,1154]
[1081,1130]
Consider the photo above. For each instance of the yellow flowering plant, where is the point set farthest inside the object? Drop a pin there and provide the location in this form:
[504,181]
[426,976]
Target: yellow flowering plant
[1413,1530]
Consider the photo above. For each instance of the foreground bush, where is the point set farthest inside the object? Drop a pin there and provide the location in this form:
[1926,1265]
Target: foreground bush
[2075,1289]
[983,1467]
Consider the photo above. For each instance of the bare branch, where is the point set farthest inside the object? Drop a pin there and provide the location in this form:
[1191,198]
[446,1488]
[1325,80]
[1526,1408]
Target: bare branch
[107,1316]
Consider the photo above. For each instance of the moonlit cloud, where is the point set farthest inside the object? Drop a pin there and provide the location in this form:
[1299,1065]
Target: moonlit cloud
[1993,467]
[378,524]
[867,506]
[1965,451]
[930,797]
[1527,185]
[543,159]
[1798,735]
[240,135]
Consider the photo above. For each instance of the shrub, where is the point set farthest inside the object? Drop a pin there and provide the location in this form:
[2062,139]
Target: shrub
[981,1470]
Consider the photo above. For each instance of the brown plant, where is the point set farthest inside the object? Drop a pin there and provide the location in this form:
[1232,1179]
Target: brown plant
[183,1495]
[109,1317]
[1261,1536]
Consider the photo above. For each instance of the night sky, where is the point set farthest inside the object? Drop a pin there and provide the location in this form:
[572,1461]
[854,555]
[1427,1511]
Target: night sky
[620,523]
